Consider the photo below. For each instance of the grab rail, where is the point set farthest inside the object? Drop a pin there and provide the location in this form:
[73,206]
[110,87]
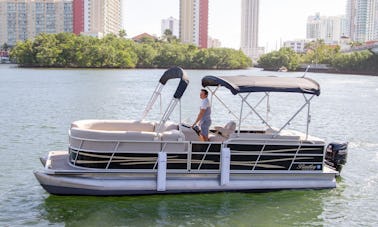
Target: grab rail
[188,160]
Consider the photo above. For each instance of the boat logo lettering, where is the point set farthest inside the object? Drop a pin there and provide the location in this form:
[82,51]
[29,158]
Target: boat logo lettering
[307,167]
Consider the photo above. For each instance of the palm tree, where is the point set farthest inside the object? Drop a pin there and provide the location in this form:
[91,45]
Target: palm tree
[168,36]
[5,47]
[122,33]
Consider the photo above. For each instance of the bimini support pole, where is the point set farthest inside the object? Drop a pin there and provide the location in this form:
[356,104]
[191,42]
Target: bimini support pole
[257,104]
[167,113]
[153,99]
[308,116]
[180,111]
[212,94]
[220,100]
[257,114]
[300,109]
[267,106]
[241,110]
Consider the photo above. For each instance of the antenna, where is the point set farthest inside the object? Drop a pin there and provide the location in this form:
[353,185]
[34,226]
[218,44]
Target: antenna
[307,68]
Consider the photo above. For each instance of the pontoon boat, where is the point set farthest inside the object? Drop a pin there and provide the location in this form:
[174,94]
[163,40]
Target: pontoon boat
[124,157]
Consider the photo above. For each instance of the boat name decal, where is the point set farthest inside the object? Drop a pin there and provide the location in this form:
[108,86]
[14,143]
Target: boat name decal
[308,167]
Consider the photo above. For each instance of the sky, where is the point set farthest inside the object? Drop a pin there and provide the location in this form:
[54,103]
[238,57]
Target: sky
[279,20]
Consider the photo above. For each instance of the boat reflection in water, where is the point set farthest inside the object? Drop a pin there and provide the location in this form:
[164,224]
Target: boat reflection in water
[230,209]
[124,157]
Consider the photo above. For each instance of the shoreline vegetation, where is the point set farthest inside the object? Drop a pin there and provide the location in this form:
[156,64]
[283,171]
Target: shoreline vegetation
[328,57]
[66,50]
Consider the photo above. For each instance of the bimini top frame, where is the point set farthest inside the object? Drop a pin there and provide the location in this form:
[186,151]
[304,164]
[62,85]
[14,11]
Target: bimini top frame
[265,84]
[248,84]
[172,73]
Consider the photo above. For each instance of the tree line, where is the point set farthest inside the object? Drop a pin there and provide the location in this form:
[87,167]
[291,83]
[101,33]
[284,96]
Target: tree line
[317,52]
[69,50]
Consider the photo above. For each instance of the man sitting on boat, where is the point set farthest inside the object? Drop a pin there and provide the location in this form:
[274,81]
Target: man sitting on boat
[203,117]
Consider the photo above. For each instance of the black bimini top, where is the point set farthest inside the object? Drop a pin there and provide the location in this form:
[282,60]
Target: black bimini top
[176,73]
[247,84]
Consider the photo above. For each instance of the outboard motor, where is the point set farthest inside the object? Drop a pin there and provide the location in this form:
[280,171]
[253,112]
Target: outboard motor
[336,155]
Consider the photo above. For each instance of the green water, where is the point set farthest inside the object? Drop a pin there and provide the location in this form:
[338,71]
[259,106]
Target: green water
[220,209]
[38,105]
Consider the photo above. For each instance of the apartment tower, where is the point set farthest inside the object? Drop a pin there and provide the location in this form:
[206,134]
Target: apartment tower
[24,19]
[362,20]
[97,17]
[250,28]
[194,22]
[78,16]
[172,24]
[330,29]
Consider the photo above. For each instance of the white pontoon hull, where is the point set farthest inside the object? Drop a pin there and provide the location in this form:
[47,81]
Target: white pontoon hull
[91,182]
[123,184]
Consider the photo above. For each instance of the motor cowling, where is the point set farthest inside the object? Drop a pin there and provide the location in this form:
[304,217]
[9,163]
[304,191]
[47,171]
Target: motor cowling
[336,155]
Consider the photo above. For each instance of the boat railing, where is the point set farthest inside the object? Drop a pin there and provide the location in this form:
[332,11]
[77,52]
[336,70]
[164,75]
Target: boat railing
[184,160]
[197,156]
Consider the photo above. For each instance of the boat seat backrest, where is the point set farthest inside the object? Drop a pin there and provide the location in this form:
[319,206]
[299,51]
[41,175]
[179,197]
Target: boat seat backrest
[190,134]
[169,125]
[227,130]
[173,136]
[107,141]
[115,125]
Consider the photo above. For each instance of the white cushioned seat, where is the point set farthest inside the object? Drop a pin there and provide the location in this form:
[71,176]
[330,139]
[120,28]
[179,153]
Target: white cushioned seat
[169,125]
[173,135]
[115,125]
[107,140]
[216,138]
[190,134]
[227,130]
[109,132]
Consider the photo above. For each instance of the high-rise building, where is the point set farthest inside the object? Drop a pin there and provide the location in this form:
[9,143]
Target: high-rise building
[97,17]
[172,24]
[214,43]
[362,20]
[330,29]
[313,27]
[250,28]
[78,16]
[23,19]
[296,45]
[194,22]
[335,28]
